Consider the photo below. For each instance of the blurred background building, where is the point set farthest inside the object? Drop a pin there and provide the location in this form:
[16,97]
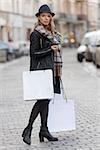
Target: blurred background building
[73,17]
[16,19]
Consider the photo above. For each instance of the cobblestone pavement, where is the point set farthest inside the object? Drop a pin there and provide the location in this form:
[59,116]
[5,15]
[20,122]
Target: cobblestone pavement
[82,83]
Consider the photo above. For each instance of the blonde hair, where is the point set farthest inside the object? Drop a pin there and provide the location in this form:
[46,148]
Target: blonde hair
[50,27]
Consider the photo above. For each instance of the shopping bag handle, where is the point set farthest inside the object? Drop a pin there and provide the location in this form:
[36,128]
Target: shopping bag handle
[63,90]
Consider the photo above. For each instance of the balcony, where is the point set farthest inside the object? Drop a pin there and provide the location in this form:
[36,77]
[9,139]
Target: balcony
[66,17]
[81,17]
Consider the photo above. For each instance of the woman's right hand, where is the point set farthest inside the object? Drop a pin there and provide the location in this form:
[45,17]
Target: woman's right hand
[54,47]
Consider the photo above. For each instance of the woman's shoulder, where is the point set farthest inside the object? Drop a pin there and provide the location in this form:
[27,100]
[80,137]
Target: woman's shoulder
[34,33]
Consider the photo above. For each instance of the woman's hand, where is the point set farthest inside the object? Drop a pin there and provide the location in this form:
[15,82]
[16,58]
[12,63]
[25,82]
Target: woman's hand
[54,47]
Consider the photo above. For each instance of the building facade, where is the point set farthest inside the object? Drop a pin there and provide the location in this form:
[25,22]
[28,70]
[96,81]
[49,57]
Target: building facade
[76,17]
[99,15]
[16,19]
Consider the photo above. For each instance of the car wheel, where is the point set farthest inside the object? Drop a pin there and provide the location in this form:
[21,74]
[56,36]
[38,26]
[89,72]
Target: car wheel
[94,62]
[9,57]
[80,57]
[98,66]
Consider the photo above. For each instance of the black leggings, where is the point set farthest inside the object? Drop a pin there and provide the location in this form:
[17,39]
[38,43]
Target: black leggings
[42,107]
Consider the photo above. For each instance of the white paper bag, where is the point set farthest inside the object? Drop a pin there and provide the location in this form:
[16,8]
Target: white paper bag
[38,85]
[61,114]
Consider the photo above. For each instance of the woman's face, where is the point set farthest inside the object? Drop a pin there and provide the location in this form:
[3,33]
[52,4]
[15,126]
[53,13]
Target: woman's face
[45,18]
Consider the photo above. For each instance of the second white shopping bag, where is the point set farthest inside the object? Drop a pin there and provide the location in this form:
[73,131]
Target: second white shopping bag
[61,114]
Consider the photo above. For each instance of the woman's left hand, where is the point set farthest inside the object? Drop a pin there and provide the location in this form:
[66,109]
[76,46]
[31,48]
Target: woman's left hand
[54,47]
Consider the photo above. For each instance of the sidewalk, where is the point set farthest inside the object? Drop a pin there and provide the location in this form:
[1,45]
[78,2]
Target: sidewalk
[14,112]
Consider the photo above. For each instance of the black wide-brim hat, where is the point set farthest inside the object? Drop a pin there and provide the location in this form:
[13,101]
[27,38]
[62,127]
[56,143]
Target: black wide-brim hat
[44,9]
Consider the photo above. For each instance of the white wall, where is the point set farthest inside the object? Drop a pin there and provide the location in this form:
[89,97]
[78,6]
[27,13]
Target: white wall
[28,7]
[11,5]
[6,5]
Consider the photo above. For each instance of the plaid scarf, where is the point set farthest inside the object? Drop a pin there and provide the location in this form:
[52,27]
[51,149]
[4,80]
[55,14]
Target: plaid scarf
[57,54]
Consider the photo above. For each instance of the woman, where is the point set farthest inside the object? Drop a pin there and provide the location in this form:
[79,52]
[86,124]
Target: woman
[43,47]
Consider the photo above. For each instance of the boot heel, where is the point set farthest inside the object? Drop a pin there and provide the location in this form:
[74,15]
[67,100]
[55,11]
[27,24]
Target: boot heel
[44,133]
[41,138]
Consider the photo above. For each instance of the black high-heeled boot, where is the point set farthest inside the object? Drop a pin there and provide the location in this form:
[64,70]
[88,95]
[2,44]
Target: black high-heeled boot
[44,133]
[27,135]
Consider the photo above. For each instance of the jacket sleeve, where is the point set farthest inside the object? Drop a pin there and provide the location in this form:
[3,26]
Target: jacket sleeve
[35,46]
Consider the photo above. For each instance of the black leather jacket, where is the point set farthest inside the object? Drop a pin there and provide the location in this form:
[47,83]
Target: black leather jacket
[41,55]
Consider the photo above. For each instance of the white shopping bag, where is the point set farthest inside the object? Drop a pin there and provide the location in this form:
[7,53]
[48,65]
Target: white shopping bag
[61,114]
[38,85]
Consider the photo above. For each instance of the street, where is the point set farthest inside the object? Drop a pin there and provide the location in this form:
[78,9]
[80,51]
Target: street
[81,82]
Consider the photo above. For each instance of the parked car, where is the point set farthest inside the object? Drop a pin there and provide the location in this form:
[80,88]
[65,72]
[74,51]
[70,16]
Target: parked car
[16,49]
[97,57]
[88,53]
[96,49]
[7,51]
[87,48]
[81,53]
[24,47]
[97,54]
[3,52]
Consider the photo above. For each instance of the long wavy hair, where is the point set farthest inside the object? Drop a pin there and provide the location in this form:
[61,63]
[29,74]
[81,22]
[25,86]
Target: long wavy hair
[50,27]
